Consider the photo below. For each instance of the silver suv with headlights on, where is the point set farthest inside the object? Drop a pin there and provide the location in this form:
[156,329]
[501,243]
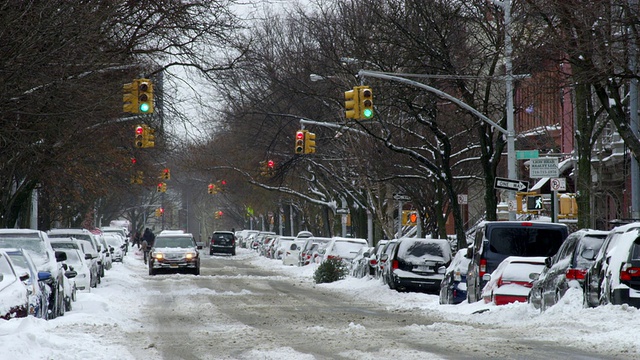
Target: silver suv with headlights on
[174,252]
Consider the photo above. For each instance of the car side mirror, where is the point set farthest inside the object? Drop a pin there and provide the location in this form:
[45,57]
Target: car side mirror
[486,277]
[469,254]
[24,277]
[70,274]
[65,266]
[547,262]
[88,257]
[61,256]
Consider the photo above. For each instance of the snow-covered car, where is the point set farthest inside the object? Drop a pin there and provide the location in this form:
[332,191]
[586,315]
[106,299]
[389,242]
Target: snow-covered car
[14,298]
[174,252]
[85,248]
[292,253]
[360,265]
[567,268]
[281,244]
[120,231]
[37,289]
[116,246]
[311,249]
[107,258]
[511,281]
[453,288]
[84,235]
[37,243]
[76,262]
[621,281]
[343,248]
[418,264]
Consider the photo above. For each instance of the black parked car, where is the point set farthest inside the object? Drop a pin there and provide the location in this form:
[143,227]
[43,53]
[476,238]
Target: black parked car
[594,293]
[494,241]
[222,242]
[418,264]
[567,268]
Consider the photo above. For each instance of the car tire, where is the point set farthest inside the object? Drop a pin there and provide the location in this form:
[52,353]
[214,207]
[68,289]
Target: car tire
[210,252]
[151,271]
[196,271]
[233,253]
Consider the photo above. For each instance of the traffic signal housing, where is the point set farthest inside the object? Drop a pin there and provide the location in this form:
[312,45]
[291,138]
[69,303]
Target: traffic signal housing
[310,143]
[352,103]
[365,99]
[130,97]
[145,96]
[300,145]
[159,212]
[166,174]
[211,189]
[139,137]
[162,187]
[149,137]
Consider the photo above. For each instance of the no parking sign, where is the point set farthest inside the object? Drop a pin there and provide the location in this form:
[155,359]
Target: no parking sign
[558,184]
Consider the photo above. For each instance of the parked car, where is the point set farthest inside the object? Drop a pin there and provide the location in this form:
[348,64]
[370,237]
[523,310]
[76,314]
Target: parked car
[382,262]
[84,235]
[76,262]
[107,258]
[594,293]
[311,249]
[281,244]
[37,290]
[292,254]
[14,298]
[222,242]
[116,245]
[417,264]
[120,231]
[375,257]
[86,249]
[567,268]
[174,252]
[510,281]
[494,241]
[343,248]
[37,243]
[453,288]
[621,279]
[360,266]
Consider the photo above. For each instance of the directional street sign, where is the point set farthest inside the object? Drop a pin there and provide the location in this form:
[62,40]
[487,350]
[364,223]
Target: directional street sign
[527,154]
[510,184]
[401,197]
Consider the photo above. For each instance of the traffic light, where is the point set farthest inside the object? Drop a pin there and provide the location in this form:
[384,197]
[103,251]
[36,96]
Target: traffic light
[534,203]
[166,174]
[270,167]
[218,214]
[351,103]
[159,212]
[130,98]
[267,168]
[139,136]
[310,143]
[211,189]
[409,217]
[137,178]
[162,187]
[300,145]
[145,96]
[222,184]
[366,103]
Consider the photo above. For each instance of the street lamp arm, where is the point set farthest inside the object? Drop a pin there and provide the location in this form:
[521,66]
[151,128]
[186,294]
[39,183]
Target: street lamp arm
[385,76]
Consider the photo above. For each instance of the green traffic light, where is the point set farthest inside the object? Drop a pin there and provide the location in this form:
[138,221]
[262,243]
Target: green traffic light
[144,107]
[367,113]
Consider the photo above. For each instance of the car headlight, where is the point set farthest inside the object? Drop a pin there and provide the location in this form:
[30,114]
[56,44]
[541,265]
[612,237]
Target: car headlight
[190,256]
[158,256]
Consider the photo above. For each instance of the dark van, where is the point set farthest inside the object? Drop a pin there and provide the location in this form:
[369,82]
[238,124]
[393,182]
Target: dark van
[496,240]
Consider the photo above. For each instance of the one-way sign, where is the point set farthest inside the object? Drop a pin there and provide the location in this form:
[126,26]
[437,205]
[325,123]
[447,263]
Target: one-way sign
[510,184]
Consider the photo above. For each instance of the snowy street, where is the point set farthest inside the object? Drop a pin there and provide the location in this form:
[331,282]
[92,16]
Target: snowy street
[250,307]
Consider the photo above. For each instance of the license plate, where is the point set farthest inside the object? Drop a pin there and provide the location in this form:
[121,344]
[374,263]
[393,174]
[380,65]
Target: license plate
[174,265]
[422,268]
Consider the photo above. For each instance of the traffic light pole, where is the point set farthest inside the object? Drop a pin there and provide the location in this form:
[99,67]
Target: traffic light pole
[509,132]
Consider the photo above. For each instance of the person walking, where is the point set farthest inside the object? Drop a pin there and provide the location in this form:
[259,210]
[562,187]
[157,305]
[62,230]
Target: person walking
[145,250]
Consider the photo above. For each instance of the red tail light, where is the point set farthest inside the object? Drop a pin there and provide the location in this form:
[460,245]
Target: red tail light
[483,267]
[394,264]
[575,274]
[627,273]
[373,262]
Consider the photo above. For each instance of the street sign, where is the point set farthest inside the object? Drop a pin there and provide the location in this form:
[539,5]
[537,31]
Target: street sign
[401,197]
[463,199]
[342,211]
[544,167]
[558,184]
[527,154]
[510,184]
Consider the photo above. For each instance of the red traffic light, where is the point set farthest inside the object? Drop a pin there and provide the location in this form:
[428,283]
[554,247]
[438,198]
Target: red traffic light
[133,160]
[223,182]
[161,210]
[220,213]
[299,135]
[139,130]
[271,164]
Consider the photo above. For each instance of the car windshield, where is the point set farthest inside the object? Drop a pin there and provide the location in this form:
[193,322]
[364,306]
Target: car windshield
[20,263]
[223,236]
[525,241]
[173,242]
[33,244]
[73,258]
